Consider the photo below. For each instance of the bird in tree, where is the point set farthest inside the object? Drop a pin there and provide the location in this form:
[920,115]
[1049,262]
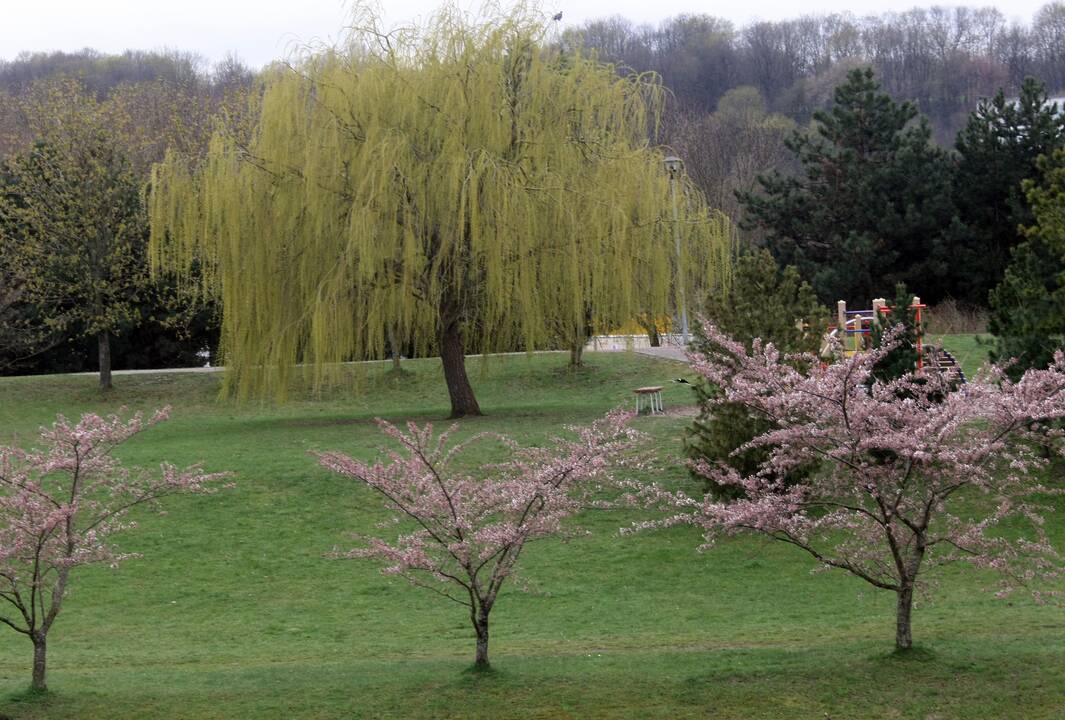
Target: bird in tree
[465,186]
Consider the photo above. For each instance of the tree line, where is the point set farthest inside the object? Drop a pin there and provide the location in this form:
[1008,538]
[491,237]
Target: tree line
[944,59]
[851,188]
[79,133]
[866,151]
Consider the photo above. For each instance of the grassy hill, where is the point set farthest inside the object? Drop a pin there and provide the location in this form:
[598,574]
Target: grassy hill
[235,610]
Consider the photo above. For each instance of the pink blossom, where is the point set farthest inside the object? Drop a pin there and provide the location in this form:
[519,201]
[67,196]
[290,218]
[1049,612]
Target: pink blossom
[59,505]
[466,531]
[913,474]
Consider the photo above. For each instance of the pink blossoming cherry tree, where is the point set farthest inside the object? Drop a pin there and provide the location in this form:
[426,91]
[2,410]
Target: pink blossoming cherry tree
[911,475]
[59,506]
[467,531]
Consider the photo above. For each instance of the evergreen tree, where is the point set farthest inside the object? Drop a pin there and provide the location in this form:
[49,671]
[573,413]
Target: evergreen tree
[1028,306]
[871,205]
[903,358]
[762,301]
[22,334]
[997,152]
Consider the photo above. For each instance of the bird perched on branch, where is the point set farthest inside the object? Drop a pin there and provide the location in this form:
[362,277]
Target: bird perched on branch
[557,17]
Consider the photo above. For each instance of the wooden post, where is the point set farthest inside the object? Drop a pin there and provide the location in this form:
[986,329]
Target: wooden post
[878,305]
[841,323]
[919,330]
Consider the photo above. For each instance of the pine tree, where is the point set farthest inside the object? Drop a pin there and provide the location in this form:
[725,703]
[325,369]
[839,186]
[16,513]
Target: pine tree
[763,301]
[902,359]
[997,152]
[872,204]
[1028,306]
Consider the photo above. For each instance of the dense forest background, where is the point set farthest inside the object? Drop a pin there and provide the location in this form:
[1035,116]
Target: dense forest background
[741,95]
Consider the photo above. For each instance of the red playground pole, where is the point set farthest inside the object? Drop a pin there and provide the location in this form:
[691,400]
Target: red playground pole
[917,307]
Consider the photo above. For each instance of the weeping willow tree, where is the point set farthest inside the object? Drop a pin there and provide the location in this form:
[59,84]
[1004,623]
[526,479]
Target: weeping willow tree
[466,186]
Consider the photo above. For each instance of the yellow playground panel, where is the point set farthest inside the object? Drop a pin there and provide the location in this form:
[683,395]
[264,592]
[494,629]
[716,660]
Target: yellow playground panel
[663,323]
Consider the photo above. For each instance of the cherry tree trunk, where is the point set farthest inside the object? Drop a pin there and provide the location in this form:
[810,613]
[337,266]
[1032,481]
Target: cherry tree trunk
[103,341]
[40,651]
[453,356]
[903,634]
[480,624]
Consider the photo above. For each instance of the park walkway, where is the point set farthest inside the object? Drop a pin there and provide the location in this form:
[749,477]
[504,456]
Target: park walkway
[665,352]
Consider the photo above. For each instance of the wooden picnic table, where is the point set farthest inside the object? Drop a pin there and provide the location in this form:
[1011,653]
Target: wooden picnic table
[653,402]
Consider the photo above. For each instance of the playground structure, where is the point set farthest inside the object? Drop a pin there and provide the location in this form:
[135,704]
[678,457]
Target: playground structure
[854,331]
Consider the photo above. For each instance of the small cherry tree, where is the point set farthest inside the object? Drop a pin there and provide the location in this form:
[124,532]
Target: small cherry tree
[469,530]
[911,475]
[59,505]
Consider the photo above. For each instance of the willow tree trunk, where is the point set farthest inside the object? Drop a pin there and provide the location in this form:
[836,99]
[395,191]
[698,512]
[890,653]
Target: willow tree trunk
[394,345]
[903,633]
[453,357]
[576,355]
[40,651]
[103,342]
[651,328]
[580,340]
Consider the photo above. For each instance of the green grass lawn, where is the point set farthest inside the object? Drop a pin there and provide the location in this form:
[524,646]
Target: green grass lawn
[970,350]
[236,612]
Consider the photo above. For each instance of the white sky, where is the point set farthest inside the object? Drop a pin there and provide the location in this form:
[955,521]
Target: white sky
[261,30]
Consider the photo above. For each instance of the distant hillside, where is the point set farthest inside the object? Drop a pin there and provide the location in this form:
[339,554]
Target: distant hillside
[946,59]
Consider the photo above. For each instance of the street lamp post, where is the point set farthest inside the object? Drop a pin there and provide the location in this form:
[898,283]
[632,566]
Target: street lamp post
[674,165]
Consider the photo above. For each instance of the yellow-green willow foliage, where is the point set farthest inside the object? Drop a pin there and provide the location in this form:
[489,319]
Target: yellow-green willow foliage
[466,186]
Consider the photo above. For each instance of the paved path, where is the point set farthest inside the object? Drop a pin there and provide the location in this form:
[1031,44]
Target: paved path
[220,368]
[160,371]
[666,352]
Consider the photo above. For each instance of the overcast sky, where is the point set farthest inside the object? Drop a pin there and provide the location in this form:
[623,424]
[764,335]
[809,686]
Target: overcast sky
[261,30]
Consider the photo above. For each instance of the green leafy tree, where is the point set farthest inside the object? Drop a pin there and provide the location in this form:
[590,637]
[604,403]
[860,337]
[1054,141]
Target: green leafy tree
[72,207]
[872,201]
[902,358]
[463,187]
[1028,306]
[762,301]
[21,334]
[997,152]
[144,116]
